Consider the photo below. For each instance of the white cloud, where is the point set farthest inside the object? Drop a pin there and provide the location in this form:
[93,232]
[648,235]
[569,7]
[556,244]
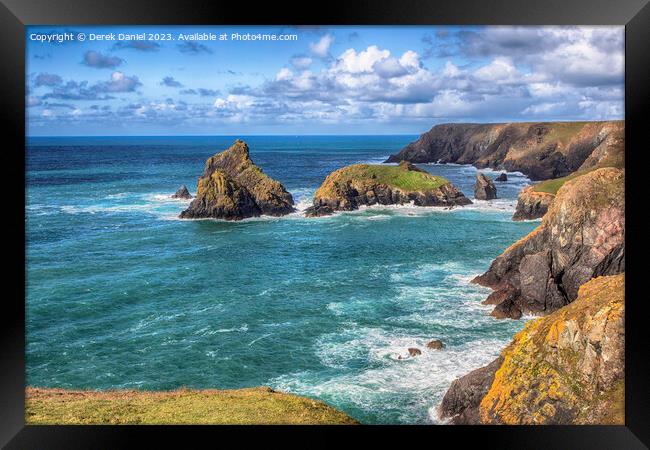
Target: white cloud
[322,47]
[301,62]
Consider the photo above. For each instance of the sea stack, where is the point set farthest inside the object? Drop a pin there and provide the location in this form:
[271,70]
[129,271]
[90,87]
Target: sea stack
[182,192]
[484,189]
[350,187]
[502,177]
[232,187]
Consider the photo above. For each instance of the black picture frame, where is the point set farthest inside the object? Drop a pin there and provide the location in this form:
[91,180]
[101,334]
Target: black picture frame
[16,14]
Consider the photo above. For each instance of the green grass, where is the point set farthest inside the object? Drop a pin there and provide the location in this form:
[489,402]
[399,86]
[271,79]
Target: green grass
[185,406]
[407,180]
[552,186]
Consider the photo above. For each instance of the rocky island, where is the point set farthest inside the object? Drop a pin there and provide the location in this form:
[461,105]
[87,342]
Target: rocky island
[540,151]
[232,187]
[364,184]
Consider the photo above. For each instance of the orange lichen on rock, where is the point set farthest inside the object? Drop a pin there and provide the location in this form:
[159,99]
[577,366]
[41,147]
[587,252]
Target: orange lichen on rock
[565,368]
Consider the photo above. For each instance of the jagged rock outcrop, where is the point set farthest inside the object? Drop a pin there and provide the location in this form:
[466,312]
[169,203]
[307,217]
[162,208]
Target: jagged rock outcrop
[539,150]
[363,184]
[532,204]
[183,193]
[462,399]
[484,188]
[582,236]
[565,368]
[502,177]
[232,187]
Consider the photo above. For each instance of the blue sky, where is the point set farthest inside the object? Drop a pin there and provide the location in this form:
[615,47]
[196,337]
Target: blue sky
[329,80]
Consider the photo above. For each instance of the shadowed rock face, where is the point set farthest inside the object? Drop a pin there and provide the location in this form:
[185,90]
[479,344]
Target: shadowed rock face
[462,400]
[232,187]
[565,368]
[582,236]
[539,150]
[484,189]
[531,204]
[361,184]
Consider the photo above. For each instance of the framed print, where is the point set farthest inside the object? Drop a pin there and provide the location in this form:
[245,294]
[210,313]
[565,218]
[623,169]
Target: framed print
[408,218]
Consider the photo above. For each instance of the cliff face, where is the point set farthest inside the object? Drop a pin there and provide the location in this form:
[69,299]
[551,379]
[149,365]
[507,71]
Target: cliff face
[532,204]
[232,187]
[581,237]
[565,368]
[362,184]
[539,150]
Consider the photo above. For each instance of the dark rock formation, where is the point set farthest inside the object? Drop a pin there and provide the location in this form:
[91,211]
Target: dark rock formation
[362,184]
[414,351]
[232,187]
[436,344]
[582,236]
[182,192]
[502,177]
[462,399]
[539,150]
[531,204]
[484,188]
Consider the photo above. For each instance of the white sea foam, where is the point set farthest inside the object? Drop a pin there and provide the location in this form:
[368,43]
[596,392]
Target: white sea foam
[390,380]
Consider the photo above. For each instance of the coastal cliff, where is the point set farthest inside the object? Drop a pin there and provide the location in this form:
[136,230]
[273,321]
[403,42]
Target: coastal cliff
[232,187]
[541,151]
[252,406]
[363,184]
[581,237]
[565,368]
[532,204]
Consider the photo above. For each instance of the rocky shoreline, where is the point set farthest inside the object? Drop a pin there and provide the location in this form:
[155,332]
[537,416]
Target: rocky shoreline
[559,271]
[568,366]
[565,368]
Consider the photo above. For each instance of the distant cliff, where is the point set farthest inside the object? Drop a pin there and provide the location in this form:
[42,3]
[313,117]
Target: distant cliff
[565,368]
[539,150]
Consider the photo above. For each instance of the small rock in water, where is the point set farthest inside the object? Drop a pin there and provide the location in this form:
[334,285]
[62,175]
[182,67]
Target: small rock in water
[502,177]
[182,192]
[484,189]
[436,344]
[414,351]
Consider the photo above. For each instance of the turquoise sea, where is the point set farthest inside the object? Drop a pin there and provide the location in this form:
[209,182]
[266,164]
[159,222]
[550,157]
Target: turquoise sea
[122,294]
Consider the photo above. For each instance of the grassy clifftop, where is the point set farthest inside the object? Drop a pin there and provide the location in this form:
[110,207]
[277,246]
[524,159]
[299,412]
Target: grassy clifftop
[241,406]
[407,179]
